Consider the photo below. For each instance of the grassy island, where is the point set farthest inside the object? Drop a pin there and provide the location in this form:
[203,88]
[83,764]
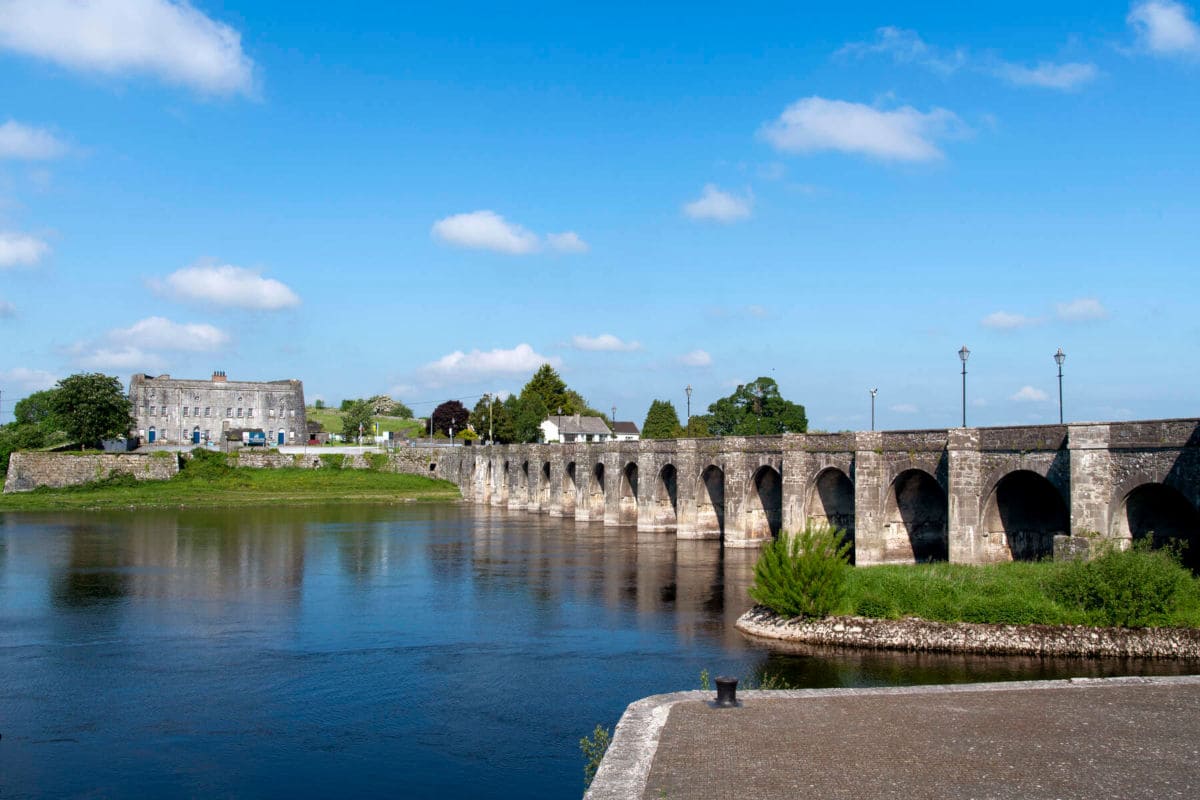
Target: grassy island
[209,482]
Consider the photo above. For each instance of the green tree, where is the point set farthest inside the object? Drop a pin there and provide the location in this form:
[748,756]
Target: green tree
[356,413]
[548,386]
[490,416]
[37,409]
[400,410]
[91,407]
[755,409]
[18,436]
[697,428]
[528,414]
[320,404]
[662,421]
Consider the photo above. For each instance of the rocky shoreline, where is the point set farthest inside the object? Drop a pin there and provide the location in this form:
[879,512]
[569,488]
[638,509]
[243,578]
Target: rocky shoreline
[913,634]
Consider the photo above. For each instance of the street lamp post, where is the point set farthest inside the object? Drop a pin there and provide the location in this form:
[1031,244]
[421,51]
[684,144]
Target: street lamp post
[1059,358]
[491,415]
[689,405]
[873,393]
[964,354]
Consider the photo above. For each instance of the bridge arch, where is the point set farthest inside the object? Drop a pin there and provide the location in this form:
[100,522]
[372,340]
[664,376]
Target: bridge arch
[1022,514]
[1160,513]
[665,500]
[831,502]
[544,487]
[916,519]
[569,489]
[627,510]
[523,483]
[763,514]
[710,503]
[596,493]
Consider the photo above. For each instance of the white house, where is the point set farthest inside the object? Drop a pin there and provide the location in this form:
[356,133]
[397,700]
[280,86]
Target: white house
[626,432]
[575,429]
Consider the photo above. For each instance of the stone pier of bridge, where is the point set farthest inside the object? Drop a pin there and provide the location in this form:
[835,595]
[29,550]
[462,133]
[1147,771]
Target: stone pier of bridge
[968,495]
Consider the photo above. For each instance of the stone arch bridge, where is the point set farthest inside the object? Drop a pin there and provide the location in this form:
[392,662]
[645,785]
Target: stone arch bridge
[970,495]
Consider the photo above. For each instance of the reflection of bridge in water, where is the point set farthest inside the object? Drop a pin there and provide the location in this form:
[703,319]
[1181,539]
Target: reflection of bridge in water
[971,495]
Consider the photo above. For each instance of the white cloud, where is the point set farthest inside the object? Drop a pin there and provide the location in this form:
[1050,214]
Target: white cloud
[1083,309]
[477,363]
[140,347]
[1164,27]
[1007,321]
[696,358]
[1028,394]
[7,310]
[487,230]
[718,205]
[160,333]
[566,242]
[1048,75]
[227,285]
[903,134]
[167,38]
[605,341]
[904,408]
[20,249]
[130,359]
[29,380]
[29,143]
[907,47]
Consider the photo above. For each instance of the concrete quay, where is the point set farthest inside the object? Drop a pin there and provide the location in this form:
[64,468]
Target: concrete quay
[1079,738]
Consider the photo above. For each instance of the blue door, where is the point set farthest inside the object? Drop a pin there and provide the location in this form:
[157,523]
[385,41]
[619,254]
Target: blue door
[152,435]
[281,435]
[195,436]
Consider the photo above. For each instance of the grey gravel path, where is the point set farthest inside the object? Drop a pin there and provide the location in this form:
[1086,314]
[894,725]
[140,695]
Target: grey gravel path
[1114,738]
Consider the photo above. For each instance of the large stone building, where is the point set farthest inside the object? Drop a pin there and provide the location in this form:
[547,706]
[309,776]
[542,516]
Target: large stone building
[170,410]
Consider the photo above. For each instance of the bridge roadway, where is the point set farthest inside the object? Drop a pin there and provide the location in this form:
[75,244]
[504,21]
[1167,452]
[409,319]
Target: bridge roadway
[969,495]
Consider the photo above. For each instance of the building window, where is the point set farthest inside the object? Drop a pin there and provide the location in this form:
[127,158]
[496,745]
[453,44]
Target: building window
[185,411]
[239,413]
[207,411]
[228,412]
[272,413]
[152,410]
[250,411]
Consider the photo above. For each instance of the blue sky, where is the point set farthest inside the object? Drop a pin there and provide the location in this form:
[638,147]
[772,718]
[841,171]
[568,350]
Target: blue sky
[392,198]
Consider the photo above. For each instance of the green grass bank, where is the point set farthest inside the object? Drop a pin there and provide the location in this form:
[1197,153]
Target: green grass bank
[209,482]
[807,576]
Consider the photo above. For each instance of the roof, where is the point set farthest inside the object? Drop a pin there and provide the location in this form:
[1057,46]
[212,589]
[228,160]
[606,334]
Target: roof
[578,424]
[626,427]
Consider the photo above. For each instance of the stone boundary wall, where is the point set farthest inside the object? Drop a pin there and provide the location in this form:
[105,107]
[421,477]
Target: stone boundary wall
[28,471]
[914,634]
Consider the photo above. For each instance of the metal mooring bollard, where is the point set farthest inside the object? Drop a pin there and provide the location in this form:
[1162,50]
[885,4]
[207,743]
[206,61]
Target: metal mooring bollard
[726,692]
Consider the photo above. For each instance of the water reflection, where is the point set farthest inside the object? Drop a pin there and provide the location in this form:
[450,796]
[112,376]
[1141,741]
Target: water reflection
[241,646]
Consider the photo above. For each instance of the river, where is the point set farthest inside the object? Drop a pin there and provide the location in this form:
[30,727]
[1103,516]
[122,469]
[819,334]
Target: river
[424,650]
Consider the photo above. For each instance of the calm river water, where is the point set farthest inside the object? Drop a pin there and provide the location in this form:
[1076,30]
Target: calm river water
[418,651]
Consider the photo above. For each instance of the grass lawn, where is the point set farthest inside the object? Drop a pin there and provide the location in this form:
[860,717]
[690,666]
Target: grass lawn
[1130,591]
[225,487]
[331,419]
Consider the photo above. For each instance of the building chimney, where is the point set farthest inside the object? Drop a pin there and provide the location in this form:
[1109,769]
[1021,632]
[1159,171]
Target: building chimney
[218,376]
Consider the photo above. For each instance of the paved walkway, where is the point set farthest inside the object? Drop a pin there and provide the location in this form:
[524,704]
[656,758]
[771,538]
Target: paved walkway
[1094,738]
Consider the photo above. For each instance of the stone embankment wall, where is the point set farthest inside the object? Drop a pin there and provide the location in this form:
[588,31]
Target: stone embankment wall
[963,637]
[28,471]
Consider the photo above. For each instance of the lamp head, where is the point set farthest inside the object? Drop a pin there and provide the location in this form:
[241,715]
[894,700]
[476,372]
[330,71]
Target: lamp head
[1060,357]
[964,354]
